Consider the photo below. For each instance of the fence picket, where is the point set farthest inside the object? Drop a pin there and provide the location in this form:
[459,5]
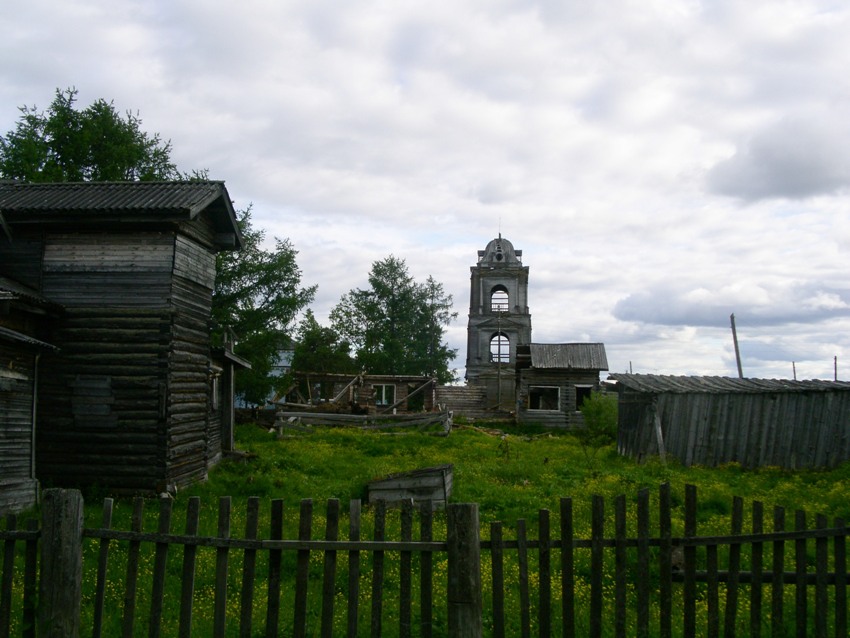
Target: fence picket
[665,563]
[353,568]
[404,599]
[6,579]
[756,566]
[302,568]
[620,566]
[102,563]
[568,592]
[712,594]
[690,552]
[734,569]
[800,597]
[522,561]
[426,575]
[329,572]
[544,567]
[221,569]
[778,585]
[30,580]
[378,570]
[821,569]
[132,570]
[597,534]
[497,571]
[160,559]
[840,568]
[275,556]
[642,576]
[187,577]
[249,569]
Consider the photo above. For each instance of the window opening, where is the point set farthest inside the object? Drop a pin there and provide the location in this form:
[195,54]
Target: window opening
[582,394]
[499,301]
[384,394]
[544,398]
[500,348]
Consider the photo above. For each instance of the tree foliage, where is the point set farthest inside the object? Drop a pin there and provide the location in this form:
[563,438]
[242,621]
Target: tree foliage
[320,349]
[64,144]
[257,297]
[397,325]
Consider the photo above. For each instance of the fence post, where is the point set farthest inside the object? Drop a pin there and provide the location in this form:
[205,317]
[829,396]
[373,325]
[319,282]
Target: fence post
[61,563]
[464,577]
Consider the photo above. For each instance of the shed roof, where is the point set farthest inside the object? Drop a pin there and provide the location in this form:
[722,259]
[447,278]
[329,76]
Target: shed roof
[99,202]
[577,356]
[658,384]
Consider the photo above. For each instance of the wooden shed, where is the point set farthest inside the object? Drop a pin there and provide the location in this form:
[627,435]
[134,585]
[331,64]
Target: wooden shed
[24,329]
[715,420]
[128,401]
[554,379]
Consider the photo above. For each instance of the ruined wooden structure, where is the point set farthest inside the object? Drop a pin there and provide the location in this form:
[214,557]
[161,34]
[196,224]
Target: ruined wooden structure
[134,398]
[363,393]
[715,420]
[554,379]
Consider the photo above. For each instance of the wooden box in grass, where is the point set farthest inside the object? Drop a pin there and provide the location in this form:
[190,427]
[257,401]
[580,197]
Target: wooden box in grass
[427,484]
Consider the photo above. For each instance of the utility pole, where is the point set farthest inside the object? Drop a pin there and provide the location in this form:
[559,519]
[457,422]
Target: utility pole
[737,351]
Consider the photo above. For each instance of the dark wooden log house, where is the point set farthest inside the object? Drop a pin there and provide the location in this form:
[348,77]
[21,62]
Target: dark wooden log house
[134,399]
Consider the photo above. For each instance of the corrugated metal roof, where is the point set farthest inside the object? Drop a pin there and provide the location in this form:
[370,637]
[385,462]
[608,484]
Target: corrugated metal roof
[579,356]
[658,384]
[184,198]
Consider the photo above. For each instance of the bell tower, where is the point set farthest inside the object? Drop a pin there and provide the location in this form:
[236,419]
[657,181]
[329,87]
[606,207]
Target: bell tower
[498,321]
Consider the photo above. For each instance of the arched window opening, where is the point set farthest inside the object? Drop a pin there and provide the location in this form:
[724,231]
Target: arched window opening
[499,301]
[500,348]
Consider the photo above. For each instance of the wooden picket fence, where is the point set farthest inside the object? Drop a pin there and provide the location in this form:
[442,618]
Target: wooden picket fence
[612,583]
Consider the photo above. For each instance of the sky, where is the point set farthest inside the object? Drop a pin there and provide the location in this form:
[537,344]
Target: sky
[662,164]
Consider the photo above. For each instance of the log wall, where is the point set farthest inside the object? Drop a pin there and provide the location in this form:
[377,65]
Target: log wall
[567,415]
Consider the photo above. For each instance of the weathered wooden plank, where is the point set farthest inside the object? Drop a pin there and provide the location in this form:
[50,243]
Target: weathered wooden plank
[426,529]
[756,566]
[60,590]
[353,568]
[187,579]
[329,569]
[6,578]
[132,571]
[302,569]
[249,568]
[689,588]
[160,560]
[405,577]
[597,534]
[732,587]
[221,569]
[378,571]
[497,569]
[102,564]
[275,555]
[643,574]
[777,588]
[620,566]
[801,598]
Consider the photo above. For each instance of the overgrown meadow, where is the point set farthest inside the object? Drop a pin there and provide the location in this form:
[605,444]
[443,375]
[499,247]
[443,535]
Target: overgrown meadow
[510,475]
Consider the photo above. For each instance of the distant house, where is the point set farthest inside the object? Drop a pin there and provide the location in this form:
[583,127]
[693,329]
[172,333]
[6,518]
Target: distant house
[715,420]
[554,379]
[116,280]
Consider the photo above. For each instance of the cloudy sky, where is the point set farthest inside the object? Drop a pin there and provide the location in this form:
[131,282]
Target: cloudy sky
[660,163]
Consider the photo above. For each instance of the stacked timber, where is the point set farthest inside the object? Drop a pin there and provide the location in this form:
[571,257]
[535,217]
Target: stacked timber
[432,484]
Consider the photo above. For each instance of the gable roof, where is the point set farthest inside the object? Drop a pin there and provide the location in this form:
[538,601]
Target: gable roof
[576,356]
[658,383]
[100,202]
